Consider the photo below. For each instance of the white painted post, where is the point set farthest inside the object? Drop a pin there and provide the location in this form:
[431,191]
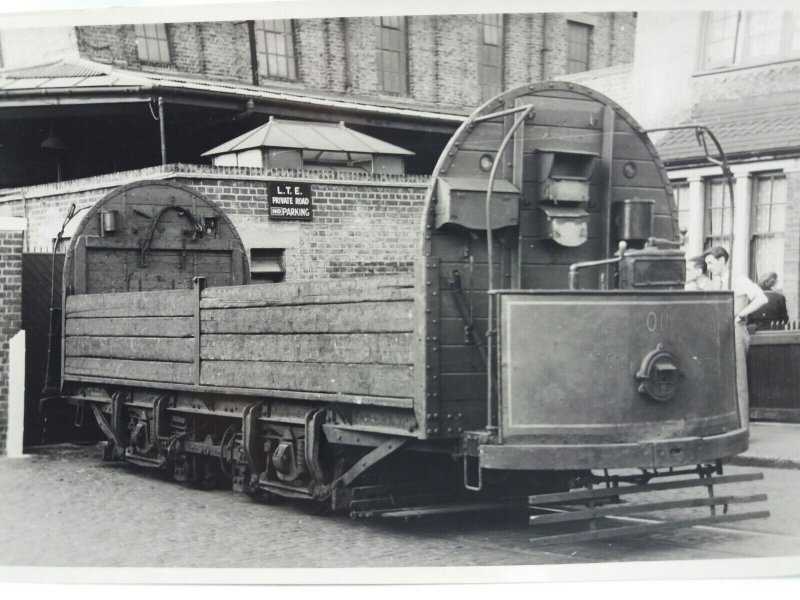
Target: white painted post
[696,217]
[16,395]
[741,223]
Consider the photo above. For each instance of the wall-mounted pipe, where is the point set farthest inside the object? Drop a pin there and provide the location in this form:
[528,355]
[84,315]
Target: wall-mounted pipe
[161,130]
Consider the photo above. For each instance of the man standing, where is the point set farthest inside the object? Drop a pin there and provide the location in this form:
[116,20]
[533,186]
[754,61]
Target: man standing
[747,298]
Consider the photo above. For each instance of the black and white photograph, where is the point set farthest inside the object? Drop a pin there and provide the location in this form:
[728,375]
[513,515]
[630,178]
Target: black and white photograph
[312,292]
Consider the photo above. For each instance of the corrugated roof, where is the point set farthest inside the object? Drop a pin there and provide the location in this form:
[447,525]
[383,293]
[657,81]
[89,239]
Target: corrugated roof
[62,68]
[754,125]
[82,74]
[307,135]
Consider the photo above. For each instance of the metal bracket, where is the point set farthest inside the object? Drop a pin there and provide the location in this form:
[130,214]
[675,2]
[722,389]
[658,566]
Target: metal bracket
[314,420]
[388,447]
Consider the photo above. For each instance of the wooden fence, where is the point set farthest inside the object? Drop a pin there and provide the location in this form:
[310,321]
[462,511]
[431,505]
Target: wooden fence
[773,371]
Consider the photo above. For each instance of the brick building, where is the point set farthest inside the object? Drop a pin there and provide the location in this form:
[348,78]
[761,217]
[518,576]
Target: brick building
[737,72]
[94,95]
[11,240]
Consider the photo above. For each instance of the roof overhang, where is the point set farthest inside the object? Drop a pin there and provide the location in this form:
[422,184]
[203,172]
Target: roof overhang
[108,84]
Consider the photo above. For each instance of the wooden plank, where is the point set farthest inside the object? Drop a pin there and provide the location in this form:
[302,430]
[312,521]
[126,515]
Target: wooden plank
[163,243]
[169,303]
[132,348]
[366,317]
[485,135]
[647,175]
[359,348]
[629,146]
[371,380]
[130,370]
[563,139]
[164,327]
[379,288]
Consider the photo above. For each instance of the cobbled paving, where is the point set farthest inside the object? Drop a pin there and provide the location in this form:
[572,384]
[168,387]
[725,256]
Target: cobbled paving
[63,506]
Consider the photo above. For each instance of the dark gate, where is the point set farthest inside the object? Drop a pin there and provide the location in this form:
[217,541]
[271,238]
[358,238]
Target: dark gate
[56,422]
[773,371]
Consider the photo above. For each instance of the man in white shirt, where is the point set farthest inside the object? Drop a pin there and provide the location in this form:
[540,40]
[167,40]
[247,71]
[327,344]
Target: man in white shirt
[747,298]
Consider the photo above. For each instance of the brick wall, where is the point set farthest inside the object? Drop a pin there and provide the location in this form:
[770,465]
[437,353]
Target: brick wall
[10,312]
[339,55]
[363,224]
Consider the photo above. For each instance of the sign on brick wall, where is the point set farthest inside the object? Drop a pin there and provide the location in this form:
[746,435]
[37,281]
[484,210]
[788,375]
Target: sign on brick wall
[290,200]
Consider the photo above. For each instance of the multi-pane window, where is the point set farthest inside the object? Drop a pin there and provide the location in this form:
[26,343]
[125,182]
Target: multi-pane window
[740,37]
[681,191]
[490,59]
[151,43]
[392,55]
[767,225]
[717,214]
[275,49]
[579,37]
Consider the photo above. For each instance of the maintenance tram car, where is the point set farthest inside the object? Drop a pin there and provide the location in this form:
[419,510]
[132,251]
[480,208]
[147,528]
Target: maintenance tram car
[543,342]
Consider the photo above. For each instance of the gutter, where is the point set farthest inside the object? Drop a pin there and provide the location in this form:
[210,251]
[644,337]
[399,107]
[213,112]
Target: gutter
[154,90]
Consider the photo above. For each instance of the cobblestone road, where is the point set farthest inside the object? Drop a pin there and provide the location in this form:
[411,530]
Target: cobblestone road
[64,507]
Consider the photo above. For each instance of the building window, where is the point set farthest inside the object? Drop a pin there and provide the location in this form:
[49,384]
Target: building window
[717,214]
[275,49]
[681,191]
[579,36]
[741,37]
[151,43]
[392,55]
[490,59]
[767,225]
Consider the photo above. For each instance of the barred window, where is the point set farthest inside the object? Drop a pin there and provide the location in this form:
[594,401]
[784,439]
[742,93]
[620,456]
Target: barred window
[151,43]
[490,59]
[739,37]
[767,225]
[275,49]
[717,214]
[579,37]
[681,191]
[392,55]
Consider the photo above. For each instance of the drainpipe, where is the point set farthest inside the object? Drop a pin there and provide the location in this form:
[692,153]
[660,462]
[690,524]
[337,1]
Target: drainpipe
[544,49]
[162,131]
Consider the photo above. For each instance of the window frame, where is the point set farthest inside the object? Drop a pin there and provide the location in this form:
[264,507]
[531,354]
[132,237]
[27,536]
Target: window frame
[401,75]
[261,32]
[680,190]
[743,39]
[756,234]
[573,25]
[143,46]
[726,214]
[488,88]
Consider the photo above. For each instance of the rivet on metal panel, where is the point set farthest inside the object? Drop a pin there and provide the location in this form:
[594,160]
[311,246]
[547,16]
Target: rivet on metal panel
[427,366]
[449,416]
[449,430]
[429,431]
[435,294]
[435,349]
[435,430]
[429,415]
[435,415]
[458,416]
[460,429]
[427,310]
[427,283]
